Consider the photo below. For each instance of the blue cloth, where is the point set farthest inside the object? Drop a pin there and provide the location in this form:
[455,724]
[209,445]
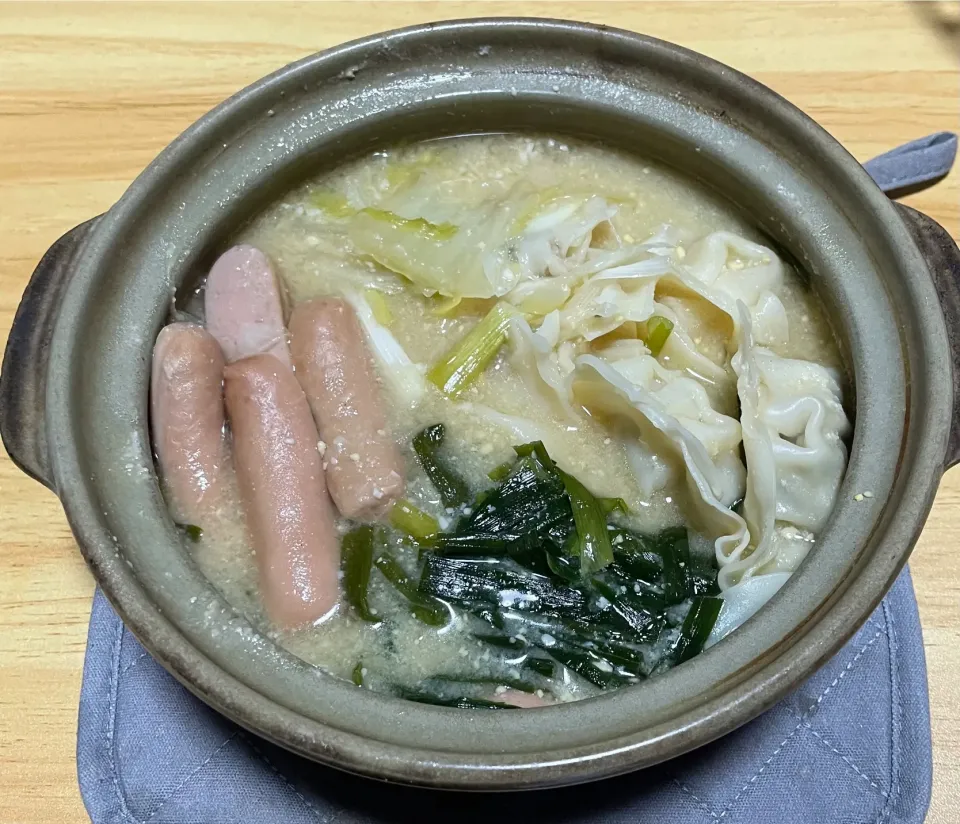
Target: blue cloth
[851,746]
[914,165]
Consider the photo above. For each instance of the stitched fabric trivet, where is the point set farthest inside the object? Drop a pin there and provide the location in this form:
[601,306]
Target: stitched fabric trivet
[851,746]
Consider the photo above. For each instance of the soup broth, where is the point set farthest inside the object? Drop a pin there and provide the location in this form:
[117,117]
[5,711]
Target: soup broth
[592,254]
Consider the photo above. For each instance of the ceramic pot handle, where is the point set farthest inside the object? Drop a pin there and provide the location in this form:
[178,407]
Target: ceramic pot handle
[24,375]
[943,257]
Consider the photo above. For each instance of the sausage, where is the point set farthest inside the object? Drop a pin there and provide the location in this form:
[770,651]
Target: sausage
[517,698]
[288,511]
[186,405]
[363,464]
[244,306]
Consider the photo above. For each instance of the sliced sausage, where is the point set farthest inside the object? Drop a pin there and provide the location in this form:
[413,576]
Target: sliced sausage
[244,306]
[517,698]
[186,410]
[363,464]
[288,511]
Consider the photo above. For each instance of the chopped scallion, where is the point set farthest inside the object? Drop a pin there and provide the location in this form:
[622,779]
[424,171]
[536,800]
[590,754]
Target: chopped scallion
[592,542]
[465,362]
[658,330]
[451,487]
[414,522]
[357,548]
[696,628]
[426,609]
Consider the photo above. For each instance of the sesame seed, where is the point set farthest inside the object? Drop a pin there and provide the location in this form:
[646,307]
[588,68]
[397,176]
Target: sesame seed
[858,497]
[868,494]
[355,457]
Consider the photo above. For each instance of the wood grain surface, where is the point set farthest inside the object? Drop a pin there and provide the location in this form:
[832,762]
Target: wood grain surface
[89,94]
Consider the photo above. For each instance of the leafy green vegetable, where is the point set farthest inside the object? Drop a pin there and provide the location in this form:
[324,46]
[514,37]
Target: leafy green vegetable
[611,505]
[414,522]
[502,641]
[466,361]
[192,531]
[333,203]
[460,702]
[451,487]
[486,580]
[541,666]
[539,564]
[499,473]
[418,225]
[357,549]
[675,551]
[428,610]
[531,501]
[658,330]
[592,542]
[357,674]
[696,628]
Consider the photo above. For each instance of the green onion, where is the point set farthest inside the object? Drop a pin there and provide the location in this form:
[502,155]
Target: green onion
[192,531]
[675,551]
[414,522]
[696,628]
[357,675]
[428,610]
[463,364]
[452,488]
[460,702]
[541,666]
[609,505]
[357,548]
[502,641]
[485,580]
[501,472]
[592,542]
[658,330]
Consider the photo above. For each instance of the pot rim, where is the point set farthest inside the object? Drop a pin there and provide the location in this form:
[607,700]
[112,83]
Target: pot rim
[809,645]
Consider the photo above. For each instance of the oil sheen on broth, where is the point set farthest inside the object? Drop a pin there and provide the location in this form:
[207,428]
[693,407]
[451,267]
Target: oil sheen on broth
[594,254]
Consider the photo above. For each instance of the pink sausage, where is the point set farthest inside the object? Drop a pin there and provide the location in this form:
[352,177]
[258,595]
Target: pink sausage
[186,409]
[244,306]
[364,466]
[518,698]
[287,508]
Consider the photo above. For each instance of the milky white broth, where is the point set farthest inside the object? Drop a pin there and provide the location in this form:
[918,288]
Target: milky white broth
[313,257]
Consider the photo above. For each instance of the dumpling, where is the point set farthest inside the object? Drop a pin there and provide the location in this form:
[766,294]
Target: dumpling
[665,407]
[743,271]
[793,428]
[545,363]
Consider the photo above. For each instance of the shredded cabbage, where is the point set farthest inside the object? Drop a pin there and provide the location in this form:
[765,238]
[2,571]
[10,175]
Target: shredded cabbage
[481,252]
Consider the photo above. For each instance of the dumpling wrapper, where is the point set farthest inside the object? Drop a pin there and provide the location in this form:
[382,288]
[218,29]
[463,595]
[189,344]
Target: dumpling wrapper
[712,484]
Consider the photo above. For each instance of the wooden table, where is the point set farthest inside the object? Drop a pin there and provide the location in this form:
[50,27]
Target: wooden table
[90,93]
